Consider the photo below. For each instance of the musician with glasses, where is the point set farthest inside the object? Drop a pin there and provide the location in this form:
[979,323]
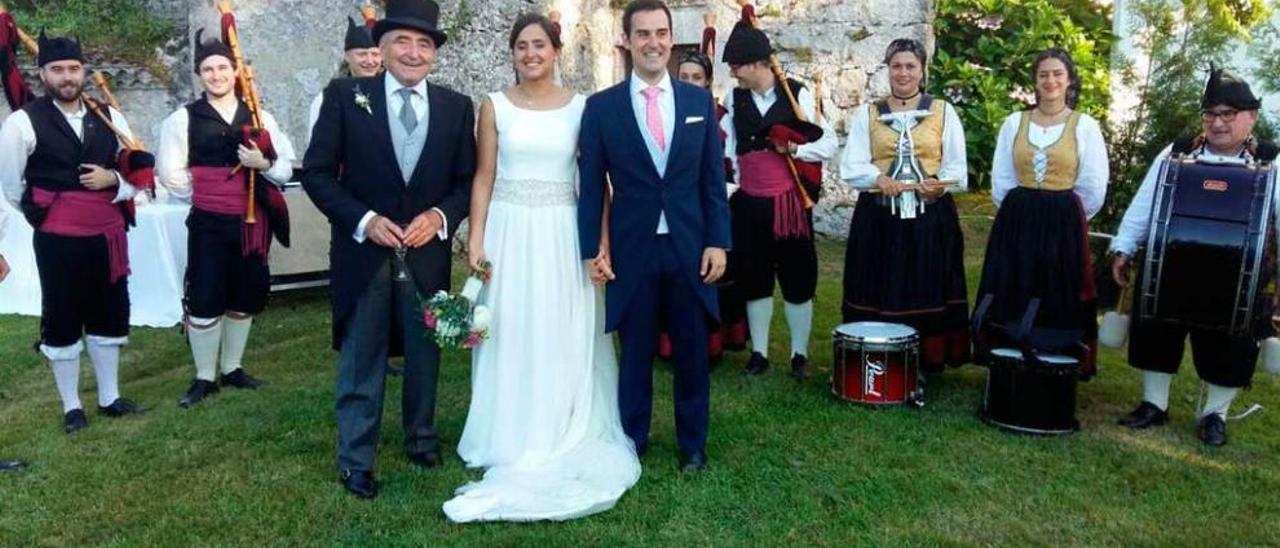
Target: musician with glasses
[1229,112]
[770,139]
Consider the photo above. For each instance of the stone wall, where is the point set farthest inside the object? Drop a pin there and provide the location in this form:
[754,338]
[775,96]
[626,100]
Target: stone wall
[295,47]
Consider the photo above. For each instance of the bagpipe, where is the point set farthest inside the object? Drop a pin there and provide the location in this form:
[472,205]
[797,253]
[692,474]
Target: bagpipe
[254,135]
[808,175]
[134,162]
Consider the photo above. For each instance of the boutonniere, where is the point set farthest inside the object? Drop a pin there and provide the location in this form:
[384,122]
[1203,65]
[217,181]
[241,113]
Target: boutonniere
[362,101]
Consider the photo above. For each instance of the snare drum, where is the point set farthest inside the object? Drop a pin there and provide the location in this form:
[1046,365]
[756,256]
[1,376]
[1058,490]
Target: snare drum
[1032,398]
[875,363]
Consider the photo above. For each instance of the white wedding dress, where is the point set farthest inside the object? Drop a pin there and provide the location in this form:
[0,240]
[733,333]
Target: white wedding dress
[544,407]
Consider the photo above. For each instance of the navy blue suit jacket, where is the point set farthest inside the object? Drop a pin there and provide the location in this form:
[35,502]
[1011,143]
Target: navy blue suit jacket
[692,192]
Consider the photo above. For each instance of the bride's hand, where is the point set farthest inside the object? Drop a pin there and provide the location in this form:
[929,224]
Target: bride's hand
[475,254]
[601,267]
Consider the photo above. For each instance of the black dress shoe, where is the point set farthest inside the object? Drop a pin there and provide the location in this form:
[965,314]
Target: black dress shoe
[120,408]
[693,462]
[359,483]
[799,367]
[430,459]
[240,379]
[1213,430]
[74,420]
[1145,416]
[12,465]
[200,389]
[756,365]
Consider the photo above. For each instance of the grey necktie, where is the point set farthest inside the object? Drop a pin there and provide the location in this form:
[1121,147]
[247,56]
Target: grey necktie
[408,117]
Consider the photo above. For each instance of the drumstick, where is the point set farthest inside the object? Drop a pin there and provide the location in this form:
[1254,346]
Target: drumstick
[914,186]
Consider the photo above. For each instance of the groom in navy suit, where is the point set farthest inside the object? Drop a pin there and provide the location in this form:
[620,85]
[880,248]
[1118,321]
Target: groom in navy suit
[668,226]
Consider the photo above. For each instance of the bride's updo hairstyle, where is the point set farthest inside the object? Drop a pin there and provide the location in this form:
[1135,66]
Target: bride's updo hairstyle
[534,19]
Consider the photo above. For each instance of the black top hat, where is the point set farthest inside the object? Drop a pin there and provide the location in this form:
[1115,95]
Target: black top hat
[419,15]
[205,50]
[1228,89]
[358,37]
[58,49]
[746,44]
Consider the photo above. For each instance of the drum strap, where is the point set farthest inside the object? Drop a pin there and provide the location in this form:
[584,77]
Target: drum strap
[980,313]
[1028,320]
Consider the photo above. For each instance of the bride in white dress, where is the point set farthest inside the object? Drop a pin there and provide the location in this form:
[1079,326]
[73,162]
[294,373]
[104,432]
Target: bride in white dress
[544,412]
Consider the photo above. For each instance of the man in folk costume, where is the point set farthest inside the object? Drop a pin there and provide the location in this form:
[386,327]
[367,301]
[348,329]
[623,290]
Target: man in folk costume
[59,165]
[772,224]
[1229,112]
[361,58]
[390,165]
[205,155]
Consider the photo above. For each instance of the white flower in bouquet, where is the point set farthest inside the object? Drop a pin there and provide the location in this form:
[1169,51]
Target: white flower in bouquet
[480,318]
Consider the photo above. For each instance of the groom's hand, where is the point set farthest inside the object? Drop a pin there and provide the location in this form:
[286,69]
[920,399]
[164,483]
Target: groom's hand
[423,229]
[601,268]
[384,232]
[714,260]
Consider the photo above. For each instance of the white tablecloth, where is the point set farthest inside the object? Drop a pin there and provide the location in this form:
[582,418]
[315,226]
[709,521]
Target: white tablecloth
[157,260]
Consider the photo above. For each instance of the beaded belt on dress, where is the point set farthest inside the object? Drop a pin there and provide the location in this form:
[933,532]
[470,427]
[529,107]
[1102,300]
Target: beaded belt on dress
[534,192]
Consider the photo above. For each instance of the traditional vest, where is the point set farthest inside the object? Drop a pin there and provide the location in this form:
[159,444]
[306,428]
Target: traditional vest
[211,141]
[751,127]
[927,135]
[1054,167]
[55,163]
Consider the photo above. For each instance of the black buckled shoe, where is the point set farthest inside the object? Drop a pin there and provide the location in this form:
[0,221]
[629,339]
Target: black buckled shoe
[74,421]
[1212,430]
[359,483]
[692,463]
[200,389]
[799,367]
[120,408]
[240,379]
[1146,415]
[756,365]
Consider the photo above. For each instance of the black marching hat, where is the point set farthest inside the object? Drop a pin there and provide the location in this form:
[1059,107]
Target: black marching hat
[1228,89]
[746,44]
[58,49]
[419,15]
[205,50]
[358,37]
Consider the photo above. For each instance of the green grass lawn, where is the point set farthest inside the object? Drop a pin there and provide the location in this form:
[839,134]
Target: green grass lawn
[789,464]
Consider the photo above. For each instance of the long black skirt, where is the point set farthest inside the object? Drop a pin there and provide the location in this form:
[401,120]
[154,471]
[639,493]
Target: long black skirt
[1039,251]
[911,272]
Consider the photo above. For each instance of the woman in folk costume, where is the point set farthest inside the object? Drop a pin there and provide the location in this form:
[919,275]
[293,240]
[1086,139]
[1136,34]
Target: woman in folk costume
[1048,178]
[203,156]
[905,257]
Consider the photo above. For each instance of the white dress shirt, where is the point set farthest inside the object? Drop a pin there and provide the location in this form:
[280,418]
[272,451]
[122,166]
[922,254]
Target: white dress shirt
[18,142]
[172,170]
[1093,169]
[421,107]
[666,106]
[1137,219]
[822,150]
[857,170]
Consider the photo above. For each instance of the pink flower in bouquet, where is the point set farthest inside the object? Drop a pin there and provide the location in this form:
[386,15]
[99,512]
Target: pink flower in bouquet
[429,318]
[473,340]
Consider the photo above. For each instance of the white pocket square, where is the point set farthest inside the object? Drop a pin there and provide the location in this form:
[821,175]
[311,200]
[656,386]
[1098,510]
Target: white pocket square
[693,119]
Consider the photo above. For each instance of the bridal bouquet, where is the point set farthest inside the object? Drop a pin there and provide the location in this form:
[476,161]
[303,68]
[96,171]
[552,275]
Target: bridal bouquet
[456,321]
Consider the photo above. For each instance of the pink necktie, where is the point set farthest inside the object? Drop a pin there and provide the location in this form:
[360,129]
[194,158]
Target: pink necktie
[653,116]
